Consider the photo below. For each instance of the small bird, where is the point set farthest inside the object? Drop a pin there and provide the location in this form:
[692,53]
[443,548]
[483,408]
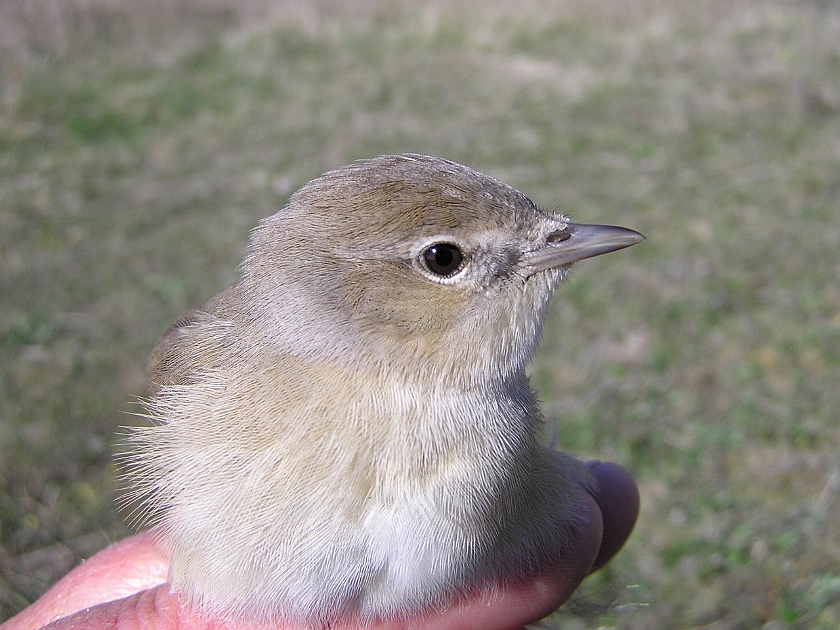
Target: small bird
[349,432]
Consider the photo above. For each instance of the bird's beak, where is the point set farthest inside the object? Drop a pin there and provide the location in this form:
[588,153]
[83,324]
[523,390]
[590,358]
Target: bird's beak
[578,241]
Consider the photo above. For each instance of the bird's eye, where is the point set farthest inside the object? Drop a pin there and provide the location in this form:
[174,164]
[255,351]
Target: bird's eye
[443,259]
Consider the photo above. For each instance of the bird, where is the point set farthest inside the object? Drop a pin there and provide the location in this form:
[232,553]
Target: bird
[349,431]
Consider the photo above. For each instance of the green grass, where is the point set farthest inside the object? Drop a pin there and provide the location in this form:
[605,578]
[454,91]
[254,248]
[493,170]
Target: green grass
[140,143]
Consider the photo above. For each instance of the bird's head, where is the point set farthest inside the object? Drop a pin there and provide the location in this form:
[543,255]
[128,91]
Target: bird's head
[414,263]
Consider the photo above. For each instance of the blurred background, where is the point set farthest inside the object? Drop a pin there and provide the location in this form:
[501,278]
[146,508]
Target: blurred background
[140,141]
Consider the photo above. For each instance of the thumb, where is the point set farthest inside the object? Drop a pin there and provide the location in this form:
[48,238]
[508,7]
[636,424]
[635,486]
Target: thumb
[127,567]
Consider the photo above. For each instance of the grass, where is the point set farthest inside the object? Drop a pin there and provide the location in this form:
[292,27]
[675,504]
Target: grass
[139,142]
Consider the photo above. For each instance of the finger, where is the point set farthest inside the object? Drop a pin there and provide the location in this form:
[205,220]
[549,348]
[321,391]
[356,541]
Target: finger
[514,605]
[618,498]
[131,565]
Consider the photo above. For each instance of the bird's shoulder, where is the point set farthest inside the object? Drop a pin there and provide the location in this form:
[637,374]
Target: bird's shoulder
[195,344]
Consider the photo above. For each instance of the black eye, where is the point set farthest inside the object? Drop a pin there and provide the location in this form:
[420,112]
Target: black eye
[443,259]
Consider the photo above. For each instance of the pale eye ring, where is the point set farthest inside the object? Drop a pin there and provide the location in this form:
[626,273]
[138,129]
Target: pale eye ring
[443,259]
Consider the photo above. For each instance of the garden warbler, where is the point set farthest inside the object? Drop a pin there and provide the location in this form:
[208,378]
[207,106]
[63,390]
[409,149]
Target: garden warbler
[349,431]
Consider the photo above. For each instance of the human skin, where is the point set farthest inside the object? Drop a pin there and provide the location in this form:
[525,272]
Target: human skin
[124,586]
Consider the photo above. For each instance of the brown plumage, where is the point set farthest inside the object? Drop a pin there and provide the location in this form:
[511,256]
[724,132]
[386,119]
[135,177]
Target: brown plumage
[349,430]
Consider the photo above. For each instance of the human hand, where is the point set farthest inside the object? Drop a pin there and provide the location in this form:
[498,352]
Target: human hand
[124,586]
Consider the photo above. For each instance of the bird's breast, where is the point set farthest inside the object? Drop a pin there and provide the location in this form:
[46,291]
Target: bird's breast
[392,488]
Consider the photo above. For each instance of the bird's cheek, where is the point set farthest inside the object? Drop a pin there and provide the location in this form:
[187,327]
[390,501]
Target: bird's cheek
[398,302]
